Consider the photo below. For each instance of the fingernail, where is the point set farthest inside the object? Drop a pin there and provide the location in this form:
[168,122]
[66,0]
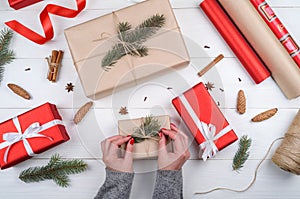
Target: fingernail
[128,136]
[173,124]
[131,141]
[163,129]
[160,135]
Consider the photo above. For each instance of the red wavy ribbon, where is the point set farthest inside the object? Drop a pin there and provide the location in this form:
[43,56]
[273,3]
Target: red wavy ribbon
[46,22]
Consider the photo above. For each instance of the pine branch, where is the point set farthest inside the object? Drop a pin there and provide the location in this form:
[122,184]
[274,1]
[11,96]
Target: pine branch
[6,55]
[242,153]
[135,38]
[5,38]
[56,170]
[150,127]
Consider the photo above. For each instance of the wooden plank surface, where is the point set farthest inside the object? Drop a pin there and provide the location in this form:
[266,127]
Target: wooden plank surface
[101,121]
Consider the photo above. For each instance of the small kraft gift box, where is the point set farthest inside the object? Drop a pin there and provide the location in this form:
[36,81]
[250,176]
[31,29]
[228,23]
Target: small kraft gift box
[205,120]
[18,4]
[120,50]
[30,133]
[145,133]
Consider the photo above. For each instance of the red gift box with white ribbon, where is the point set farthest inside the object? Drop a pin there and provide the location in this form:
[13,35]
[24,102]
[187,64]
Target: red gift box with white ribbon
[205,120]
[18,4]
[30,133]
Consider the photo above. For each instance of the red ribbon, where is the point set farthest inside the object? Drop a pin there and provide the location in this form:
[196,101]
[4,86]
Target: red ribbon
[46,22]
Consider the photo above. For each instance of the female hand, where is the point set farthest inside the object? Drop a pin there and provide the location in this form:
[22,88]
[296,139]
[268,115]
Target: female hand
[110,149]
[173,160]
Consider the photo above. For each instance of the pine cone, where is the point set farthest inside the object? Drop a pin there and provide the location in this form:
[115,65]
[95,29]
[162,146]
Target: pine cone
[241,102]
[265,115]
[82,112]
[19,91]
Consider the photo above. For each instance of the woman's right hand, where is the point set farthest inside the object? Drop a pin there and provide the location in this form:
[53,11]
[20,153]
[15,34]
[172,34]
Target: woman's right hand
[173,160]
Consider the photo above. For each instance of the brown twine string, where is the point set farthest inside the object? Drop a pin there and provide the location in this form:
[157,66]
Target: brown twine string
[287,155]
[51,64]
[253,179]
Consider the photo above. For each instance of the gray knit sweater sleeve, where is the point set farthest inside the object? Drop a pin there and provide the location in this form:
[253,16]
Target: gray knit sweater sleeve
[168,185]
[117,185]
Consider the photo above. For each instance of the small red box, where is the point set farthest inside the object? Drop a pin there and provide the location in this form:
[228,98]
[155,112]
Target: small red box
[18,4]
[30,133]
[205,120]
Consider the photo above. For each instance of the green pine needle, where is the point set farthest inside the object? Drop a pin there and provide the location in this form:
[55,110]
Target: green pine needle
[135,37]
[242,153]
[6,55]
[56,170]
[150,127]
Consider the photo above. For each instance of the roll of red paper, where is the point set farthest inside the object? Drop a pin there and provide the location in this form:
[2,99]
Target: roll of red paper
[278,29]
[235,40]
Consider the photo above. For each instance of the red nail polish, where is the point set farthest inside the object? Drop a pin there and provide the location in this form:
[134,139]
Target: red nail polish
[131,141]
[163,129]
[128,136]
[160,135]
[173,124]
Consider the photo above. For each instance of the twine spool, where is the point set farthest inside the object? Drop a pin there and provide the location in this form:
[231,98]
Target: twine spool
[287,155]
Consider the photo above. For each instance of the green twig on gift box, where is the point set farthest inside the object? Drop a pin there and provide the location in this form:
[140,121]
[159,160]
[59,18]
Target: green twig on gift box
[6,55]
[131,40]
[56,170]
[242,153]
[149,128]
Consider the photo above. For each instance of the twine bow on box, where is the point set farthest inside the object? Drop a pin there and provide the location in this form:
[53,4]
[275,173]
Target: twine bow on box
[33,131]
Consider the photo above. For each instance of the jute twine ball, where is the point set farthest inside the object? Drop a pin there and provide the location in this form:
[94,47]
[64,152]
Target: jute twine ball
[287,156]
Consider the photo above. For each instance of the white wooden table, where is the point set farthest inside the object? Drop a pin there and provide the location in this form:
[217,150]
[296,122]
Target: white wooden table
[102,120]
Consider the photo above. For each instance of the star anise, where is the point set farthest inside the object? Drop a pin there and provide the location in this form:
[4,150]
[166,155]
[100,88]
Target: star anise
[69,87]
[209,86]
[123,110]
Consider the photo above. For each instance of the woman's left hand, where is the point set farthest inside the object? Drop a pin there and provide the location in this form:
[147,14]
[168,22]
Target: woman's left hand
[110,147]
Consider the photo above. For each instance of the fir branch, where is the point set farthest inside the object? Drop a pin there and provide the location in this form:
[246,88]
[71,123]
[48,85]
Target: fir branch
[6,55]
[5,38]
[135,38]
[56,170]
[150,127]
[242,153]
[124,26]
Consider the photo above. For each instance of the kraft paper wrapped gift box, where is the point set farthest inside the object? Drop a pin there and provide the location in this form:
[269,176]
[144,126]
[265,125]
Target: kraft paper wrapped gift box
[90,41]
[149,147]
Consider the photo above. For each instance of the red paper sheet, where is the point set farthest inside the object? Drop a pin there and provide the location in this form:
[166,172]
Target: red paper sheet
[244,52]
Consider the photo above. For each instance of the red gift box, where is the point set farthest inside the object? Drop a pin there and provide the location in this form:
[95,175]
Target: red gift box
[205,120]
[18,4]
[30,133]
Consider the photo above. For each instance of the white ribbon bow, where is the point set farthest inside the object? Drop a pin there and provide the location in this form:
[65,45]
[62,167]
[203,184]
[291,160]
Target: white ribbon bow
[32,131]
[208,131]
[208,147]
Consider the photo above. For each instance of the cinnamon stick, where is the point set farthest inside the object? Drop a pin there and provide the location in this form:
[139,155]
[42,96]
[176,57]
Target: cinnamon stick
[51,68]
[57,62]
[210,65]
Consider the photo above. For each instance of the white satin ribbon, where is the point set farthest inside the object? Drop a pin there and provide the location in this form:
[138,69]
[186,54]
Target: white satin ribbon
[208,147]
[32,131]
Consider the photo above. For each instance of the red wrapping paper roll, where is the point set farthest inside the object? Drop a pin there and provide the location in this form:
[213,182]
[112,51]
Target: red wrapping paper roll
[235,40]
[274,23]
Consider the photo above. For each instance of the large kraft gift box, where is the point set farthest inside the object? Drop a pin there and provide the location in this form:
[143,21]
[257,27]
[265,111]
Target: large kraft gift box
[147,149]
[89,42]
[30,133]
